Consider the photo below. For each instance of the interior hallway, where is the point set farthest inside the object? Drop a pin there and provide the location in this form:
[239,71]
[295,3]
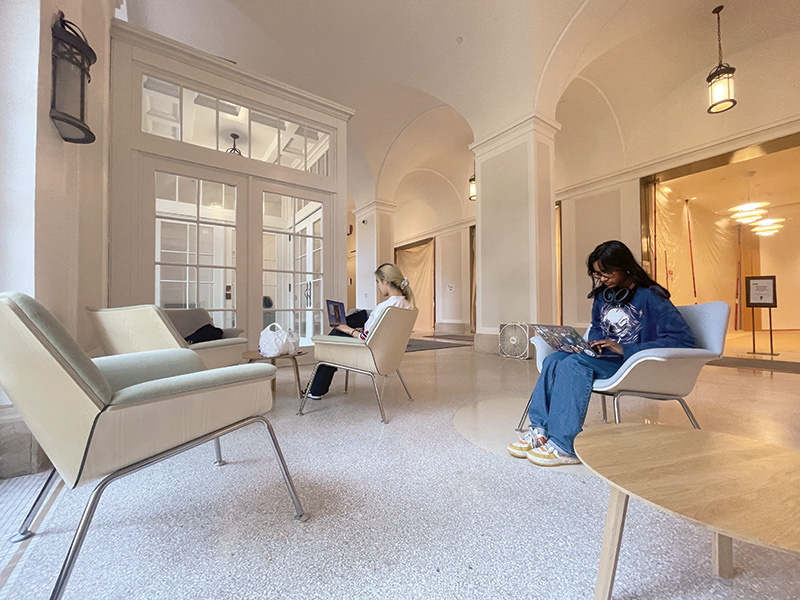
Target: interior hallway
[429,505]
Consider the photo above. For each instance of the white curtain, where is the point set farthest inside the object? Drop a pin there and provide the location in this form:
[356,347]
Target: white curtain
[417,264]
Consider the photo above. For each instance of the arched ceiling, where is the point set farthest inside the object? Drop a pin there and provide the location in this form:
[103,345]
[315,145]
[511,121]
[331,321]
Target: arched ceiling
[637,52]
[389,61]
[491,62]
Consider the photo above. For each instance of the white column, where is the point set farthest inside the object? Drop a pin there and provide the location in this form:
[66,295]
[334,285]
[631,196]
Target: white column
[374,246]
[515,253]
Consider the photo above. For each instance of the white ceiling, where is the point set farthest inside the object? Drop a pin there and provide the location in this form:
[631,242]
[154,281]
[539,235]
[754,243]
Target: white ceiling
[489,61]
[770,178]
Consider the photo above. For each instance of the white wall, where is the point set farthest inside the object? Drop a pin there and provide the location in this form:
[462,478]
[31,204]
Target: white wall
[19,78]
[779,257]
[52,193]
[71,182]
[504,248]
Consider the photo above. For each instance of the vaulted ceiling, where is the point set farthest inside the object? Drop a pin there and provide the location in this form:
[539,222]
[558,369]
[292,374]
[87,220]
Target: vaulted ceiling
[489,63]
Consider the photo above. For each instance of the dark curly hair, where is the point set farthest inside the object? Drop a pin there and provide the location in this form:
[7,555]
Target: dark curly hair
[616,256]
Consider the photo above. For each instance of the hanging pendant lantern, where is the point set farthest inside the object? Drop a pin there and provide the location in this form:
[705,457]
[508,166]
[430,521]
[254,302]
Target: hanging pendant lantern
[234,149]
[720,80]
[72,57]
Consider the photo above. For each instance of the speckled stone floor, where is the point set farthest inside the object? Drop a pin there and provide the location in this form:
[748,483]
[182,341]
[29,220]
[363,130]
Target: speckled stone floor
[428,506]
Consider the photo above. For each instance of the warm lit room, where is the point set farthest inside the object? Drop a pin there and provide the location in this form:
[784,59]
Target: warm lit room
[400,300]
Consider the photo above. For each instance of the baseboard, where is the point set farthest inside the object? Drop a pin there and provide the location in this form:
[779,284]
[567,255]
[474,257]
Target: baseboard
[487,343]
[452,328]
[19,451]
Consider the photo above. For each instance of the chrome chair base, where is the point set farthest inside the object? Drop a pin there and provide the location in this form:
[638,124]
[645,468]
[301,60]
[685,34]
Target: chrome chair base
[617,419]
[94,499]
[347,381]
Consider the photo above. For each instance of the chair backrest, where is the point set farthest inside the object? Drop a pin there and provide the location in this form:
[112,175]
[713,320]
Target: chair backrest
[135,329]
[188,320]
[709,323]
[389,337]
[55,386]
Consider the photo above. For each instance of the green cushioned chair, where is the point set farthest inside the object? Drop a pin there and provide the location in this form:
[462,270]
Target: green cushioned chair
[108,417]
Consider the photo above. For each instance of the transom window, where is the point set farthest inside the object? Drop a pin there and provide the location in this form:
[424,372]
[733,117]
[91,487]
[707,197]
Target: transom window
[176,112]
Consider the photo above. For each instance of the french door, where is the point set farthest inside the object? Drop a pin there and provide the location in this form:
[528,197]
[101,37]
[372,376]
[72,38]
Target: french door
[250,251]
[291,225]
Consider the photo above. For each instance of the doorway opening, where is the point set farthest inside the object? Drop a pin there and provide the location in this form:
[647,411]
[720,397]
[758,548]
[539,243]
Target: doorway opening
[709,225]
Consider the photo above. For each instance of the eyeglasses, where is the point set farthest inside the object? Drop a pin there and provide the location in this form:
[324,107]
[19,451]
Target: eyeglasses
[601,274]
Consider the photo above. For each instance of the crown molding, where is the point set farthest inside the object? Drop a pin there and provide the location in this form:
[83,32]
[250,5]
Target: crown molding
[158,44]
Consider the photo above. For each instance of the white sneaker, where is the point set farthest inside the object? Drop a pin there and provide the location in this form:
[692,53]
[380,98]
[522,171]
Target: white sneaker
[547,455]
[533,438]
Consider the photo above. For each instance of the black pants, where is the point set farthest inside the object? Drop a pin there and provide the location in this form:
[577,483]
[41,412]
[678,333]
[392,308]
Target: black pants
[324,375]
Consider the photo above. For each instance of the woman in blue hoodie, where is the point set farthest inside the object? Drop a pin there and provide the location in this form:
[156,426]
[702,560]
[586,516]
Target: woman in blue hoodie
[630,312]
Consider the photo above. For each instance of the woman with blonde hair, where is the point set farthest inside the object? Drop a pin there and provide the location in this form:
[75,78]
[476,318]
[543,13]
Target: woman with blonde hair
[392,285]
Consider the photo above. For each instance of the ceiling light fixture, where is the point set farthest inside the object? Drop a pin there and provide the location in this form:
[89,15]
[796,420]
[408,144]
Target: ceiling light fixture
[720,79]
[235,150]
[768,222]
[748,206]
[748,216]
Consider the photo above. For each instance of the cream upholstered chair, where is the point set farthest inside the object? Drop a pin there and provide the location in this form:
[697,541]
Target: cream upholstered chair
[380,354]
[660,373]
[111,416]
[149,327]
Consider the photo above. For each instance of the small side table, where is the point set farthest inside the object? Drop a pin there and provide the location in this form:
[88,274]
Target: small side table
[253,356]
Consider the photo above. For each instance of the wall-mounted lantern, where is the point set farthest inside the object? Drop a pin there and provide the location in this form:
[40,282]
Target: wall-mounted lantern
[72,57]
[473,188]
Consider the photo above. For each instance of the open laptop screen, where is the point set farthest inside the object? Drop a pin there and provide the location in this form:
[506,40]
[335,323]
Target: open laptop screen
[336,313]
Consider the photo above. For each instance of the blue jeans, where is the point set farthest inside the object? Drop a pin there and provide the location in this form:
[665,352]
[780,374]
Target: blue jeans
[561,397]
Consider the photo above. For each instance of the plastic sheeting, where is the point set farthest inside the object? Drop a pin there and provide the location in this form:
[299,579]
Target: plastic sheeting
[417,264]
[704,270]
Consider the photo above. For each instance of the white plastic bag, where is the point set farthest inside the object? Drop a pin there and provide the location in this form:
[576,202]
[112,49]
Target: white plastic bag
[275,341]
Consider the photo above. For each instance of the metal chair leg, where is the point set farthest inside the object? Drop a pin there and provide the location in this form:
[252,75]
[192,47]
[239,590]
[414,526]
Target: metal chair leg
[308,387]
[91,505]
[404,385]
[300,515]
[520,426]
[616,408]
[605,411]
[378,396]
[218,453]
[346,379]
[24,531]
[688,412]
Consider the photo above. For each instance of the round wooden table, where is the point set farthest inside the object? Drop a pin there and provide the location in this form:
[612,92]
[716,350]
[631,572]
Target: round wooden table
[253,356]
[737,487]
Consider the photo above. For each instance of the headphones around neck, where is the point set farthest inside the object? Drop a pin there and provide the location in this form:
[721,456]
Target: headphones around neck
[618,296]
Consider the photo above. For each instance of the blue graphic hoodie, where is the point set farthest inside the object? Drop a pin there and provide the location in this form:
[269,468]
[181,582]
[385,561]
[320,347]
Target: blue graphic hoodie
[648,321]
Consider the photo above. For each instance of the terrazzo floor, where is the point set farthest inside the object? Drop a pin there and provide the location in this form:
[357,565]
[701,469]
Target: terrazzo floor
[428,506]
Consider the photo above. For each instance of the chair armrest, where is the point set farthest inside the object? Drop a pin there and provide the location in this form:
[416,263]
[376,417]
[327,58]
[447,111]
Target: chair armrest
[337,340]
[231,332]
[192,382]
[218,343]
[124,370]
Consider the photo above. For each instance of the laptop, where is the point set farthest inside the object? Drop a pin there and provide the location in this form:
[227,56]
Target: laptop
[564,338]
[336,313]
